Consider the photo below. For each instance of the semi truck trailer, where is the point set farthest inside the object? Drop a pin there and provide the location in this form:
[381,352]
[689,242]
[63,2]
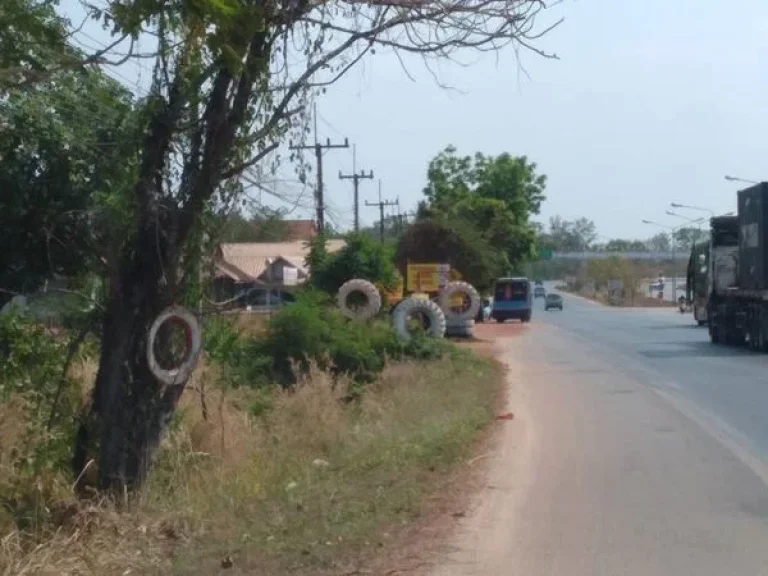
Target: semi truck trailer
[737,308]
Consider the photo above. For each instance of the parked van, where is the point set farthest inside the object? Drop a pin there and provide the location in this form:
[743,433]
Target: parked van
[512,298]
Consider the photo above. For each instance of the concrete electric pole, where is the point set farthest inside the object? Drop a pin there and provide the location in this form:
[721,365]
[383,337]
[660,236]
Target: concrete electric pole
[356,177]
[319,194]
[382,204]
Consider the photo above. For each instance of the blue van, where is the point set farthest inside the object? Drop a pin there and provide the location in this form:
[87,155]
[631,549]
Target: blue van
[512,298]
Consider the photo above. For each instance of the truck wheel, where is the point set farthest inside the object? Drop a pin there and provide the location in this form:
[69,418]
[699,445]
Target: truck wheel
[762,341]
[411,307]
[453,288]
[370,294]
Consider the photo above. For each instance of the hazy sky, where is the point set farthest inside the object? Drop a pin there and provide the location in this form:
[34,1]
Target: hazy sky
[650,103]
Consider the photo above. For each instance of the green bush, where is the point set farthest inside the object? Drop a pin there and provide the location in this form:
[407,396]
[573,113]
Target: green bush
[362,257]
[31,364]
[243,361]
[311,331]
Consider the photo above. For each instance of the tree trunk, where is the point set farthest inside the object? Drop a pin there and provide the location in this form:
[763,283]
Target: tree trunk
[131,408]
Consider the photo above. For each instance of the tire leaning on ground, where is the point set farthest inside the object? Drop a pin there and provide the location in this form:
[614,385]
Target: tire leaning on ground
[188,321]
[459,328]
[372,304]
[411,306]
[452,289]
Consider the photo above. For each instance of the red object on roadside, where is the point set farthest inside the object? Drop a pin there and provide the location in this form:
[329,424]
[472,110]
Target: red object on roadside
[505,416]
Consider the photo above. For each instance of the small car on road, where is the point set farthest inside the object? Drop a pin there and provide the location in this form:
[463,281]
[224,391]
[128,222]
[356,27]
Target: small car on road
[539,292]
[553,301]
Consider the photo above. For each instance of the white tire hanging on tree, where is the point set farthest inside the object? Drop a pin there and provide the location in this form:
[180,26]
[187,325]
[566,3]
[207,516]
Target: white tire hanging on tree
[371,294]
[453,289]
[183,317]
[415,306]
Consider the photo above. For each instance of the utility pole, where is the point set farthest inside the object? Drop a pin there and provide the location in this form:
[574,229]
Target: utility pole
[355,177]
[382,204]
[318,148]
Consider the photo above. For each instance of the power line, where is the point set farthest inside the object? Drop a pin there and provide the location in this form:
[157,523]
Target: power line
[356,177]
[318,148]
[382,204]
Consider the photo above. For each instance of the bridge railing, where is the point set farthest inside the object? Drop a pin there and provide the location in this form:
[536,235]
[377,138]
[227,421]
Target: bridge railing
[656,256]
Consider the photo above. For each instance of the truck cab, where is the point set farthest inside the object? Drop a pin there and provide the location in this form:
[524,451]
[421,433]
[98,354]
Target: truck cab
[697,280]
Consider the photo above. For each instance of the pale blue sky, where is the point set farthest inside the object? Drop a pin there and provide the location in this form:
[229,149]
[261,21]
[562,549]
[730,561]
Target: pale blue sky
[650,102]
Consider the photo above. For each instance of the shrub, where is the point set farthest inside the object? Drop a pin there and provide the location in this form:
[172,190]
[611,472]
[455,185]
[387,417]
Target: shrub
[310,331]
[243,360]
[38,409]
[362,257]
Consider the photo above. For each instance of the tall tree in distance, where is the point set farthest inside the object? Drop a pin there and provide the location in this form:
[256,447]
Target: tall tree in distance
[497,195]
[569,235]
[263,224]
[686,237]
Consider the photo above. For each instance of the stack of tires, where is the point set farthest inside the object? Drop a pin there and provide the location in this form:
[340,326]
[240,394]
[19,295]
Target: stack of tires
[459,324]
[439,319]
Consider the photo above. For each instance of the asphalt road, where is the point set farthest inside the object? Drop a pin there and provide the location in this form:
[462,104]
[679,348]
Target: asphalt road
[637,448]
[666,350]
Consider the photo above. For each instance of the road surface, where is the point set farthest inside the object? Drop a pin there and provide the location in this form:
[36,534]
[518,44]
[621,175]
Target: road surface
[637,448]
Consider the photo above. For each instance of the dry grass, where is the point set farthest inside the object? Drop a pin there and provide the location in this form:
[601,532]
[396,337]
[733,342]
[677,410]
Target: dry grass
[305,487]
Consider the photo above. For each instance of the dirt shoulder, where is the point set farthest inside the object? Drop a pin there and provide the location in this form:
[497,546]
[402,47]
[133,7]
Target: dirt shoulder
[418,548]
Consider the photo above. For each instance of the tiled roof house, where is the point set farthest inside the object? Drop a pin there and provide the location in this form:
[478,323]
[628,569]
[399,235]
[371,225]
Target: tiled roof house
[245,265]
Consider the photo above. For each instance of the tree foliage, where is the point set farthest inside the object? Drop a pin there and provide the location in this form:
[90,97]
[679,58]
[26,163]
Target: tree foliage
[263,224]
[494,195]
[659,242]
[66,161]
[455,242]
[686,237]
[568,235]
[361,257]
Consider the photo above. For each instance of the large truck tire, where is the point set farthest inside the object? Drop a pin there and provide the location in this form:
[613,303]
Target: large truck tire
[452,289]
[413,306]
[459,328]
[714,334]
[372,296]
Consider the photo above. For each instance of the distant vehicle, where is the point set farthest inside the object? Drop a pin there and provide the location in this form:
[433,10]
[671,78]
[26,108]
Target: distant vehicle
[539,292]
[512,298]
[553,301]
[539,283]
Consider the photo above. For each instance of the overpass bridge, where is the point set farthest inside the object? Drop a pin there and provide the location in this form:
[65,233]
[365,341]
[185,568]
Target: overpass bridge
[681,255]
